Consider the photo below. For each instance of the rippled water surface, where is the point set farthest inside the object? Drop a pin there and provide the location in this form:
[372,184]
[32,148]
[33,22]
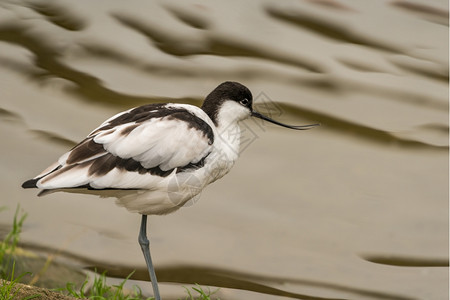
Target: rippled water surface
[355,209]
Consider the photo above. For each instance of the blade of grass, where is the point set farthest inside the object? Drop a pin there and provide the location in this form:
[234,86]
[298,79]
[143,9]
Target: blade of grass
[9,243]
[9,288]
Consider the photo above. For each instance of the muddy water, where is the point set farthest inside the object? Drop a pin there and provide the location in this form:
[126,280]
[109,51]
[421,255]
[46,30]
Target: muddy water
[356,209]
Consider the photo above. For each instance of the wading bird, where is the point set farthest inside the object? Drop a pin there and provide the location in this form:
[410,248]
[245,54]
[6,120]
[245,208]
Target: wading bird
[156,157]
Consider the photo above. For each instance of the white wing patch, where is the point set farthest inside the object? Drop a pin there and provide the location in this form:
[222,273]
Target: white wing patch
[157,142]
[164,142]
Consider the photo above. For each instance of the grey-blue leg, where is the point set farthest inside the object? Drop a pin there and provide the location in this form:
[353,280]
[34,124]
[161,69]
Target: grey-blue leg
[145,246]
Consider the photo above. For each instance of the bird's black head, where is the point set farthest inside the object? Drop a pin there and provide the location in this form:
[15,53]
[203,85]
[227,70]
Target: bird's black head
[226,91]
[234,92]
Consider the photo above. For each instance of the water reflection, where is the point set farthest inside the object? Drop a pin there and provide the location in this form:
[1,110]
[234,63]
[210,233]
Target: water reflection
[256,283]
[406,261]
[248,281]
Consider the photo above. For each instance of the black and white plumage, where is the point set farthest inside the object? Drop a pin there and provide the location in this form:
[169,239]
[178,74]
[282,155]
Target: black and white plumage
[145,151]
[156,157]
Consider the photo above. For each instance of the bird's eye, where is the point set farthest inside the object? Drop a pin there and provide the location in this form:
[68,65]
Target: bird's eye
[244,101]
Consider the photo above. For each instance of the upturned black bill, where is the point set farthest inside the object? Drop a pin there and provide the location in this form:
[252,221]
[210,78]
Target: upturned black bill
[263,117]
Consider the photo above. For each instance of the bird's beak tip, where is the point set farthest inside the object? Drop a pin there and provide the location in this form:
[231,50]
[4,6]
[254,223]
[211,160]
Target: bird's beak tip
[263,117]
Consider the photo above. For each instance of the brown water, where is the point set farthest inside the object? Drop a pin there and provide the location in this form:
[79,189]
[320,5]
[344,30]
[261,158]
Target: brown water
[356,209]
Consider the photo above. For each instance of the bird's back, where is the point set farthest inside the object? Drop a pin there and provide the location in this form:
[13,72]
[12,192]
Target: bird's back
[152,158]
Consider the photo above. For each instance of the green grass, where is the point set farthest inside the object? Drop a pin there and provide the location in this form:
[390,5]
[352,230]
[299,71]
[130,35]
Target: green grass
[102,291]
[99,290]
[202,295]
[9,243]
[8,287]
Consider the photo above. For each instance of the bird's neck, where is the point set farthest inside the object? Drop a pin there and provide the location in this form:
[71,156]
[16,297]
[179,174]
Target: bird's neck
[226,150]
[231,135]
